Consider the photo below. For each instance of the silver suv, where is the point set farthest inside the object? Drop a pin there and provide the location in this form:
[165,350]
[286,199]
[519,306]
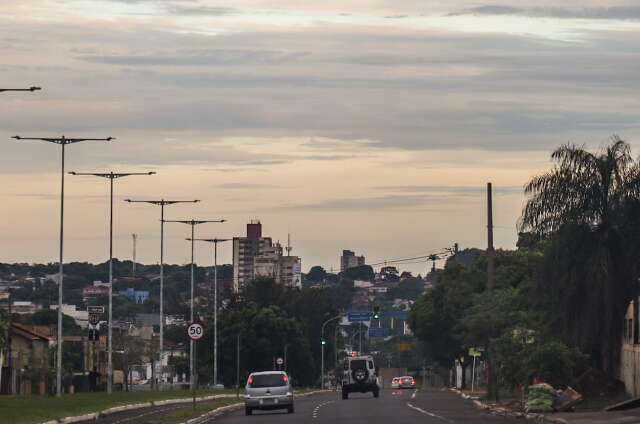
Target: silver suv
[359,375]
[268,390]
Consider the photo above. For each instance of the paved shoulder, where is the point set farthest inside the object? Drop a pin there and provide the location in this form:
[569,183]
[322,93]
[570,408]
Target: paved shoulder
[449,407]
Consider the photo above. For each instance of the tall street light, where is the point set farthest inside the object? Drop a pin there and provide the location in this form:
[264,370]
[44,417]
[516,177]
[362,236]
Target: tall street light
[162,203]
[32,89]
[322,341]
[62,141]
[215,242]
[193,224]
[110,176]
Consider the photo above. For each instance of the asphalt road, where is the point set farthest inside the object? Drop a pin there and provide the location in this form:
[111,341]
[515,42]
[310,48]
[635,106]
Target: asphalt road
[392,407]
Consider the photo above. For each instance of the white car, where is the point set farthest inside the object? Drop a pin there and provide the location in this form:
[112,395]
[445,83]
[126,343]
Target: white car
[395,383]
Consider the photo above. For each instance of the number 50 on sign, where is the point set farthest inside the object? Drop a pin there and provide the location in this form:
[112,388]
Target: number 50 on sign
[195,331]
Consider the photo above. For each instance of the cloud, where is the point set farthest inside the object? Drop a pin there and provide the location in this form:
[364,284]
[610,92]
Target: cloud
[248,186]
[195,57]
[614,12]
[452,191]
[393,202]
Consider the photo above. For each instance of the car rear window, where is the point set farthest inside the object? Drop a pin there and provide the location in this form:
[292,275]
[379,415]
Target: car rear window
[358,364]
[267,380]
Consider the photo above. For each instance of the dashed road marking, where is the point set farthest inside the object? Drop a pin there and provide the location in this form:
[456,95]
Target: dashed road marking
[413,395]
[431,414]
[316,410]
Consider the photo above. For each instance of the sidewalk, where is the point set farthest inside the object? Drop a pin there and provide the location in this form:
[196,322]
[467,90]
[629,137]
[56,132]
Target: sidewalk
[599,417]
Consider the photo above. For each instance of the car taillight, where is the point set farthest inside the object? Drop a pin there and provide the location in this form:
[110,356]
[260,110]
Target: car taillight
[285,378]
[250,381]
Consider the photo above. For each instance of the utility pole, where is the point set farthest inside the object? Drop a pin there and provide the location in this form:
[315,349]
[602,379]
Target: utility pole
[238,365]
[133,267]
[193,223]
[492,388]
[110,176]
[162,203]
[215,242]
[490,250]
[62,141]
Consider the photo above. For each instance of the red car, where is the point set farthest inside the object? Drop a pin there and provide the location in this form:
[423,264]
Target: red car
[407,382]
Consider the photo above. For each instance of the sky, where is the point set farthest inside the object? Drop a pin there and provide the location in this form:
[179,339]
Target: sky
[365,125]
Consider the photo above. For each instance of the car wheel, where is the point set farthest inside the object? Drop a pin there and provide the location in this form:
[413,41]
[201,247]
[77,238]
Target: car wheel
[376,393]
[290,409]
[248,411]
[345,395]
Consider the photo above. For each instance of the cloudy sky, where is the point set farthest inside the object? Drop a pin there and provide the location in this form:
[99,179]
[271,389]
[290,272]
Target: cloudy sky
[369,125]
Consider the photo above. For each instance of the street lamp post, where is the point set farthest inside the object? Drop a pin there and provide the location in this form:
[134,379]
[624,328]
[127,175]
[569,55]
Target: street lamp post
[215,242]
[62,141]
[162,203]
[322,351]
[32,89]
[193,224]
[110,176]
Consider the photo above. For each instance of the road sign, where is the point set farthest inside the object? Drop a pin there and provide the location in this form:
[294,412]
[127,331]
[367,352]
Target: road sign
[405,347]
[95,309]
[359,316]
[378,332]
[279,361]
[474,352]
[195,331]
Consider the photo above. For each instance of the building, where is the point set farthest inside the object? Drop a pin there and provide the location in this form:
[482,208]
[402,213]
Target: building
[257,256]
[245,249]
[98,289]
[81,317]
[137,296]
[290,271]
[30,350]
[350,260]
[24,308]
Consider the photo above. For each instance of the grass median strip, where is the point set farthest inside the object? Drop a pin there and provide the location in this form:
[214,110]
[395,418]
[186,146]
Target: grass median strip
[184,414]
[37,409]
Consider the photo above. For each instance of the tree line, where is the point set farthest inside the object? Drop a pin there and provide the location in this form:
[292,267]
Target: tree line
[560,298]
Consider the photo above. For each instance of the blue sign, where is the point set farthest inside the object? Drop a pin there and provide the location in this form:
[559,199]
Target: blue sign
[378,332]
[359,316]
[395,315]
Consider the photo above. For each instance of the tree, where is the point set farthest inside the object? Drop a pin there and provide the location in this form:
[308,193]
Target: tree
[362,272]
[316,274]
[587,208]
[409,288]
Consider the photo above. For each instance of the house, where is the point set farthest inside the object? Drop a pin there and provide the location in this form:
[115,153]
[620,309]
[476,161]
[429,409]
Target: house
[137,296]
[630,355]
[24,308]
[28,360]
[94,291]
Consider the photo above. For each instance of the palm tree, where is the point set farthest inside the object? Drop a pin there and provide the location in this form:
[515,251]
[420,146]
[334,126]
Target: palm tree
[586,206]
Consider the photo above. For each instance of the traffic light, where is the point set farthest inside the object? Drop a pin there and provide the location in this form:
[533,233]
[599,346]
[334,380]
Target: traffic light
[323,342]
[94,334]
[376,312]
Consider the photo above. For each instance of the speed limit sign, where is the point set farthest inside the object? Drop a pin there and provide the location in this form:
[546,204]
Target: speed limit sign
[195,331]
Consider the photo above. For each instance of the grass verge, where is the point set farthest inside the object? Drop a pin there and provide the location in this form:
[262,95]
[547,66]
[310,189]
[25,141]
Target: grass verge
[37,409]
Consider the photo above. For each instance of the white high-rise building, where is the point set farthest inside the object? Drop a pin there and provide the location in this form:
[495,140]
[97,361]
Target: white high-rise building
[257,256]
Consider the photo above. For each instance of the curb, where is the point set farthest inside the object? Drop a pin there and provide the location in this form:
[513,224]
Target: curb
[109,411]
[504,412]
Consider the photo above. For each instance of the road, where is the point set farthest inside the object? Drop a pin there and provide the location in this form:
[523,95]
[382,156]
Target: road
[392,407]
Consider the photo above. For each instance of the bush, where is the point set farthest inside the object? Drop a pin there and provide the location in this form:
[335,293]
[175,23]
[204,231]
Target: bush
[555,363]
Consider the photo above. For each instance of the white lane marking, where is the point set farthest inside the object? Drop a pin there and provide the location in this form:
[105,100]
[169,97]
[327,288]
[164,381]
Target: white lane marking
[413,396]
[316,410]
[431,414]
